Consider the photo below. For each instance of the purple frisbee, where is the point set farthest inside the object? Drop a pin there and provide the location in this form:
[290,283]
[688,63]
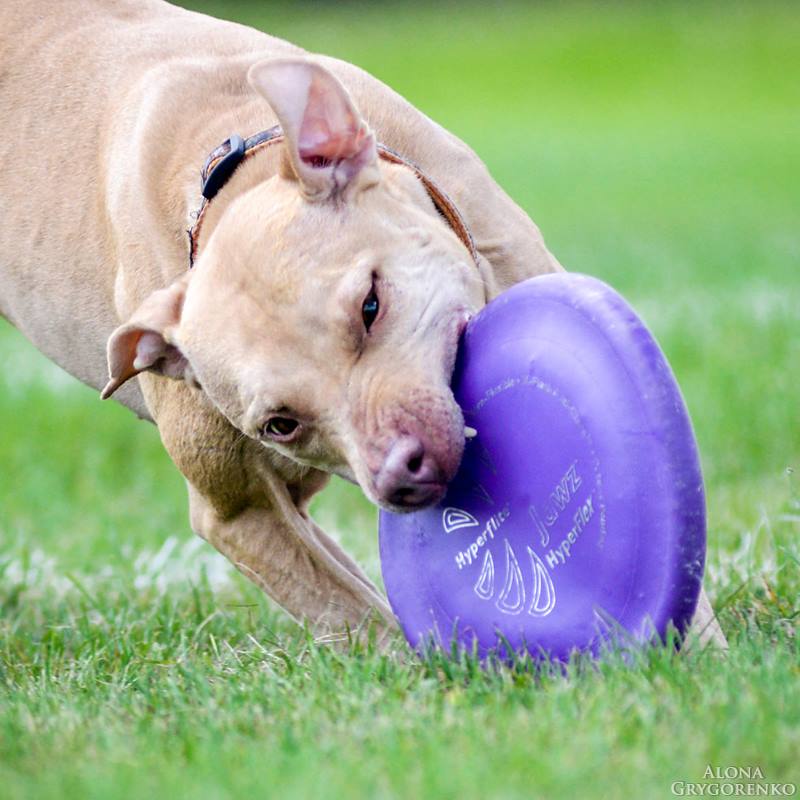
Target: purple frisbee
[578,512]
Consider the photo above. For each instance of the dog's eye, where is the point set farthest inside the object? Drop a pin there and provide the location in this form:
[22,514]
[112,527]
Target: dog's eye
[370,308]
[280,428]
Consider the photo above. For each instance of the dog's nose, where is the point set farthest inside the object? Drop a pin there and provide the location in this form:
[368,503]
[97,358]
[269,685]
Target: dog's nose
[410,476]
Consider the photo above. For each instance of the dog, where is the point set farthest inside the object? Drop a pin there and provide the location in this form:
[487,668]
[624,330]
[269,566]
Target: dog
[296,315]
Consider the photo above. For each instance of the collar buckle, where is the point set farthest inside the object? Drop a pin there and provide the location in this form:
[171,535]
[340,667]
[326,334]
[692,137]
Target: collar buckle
[224,168]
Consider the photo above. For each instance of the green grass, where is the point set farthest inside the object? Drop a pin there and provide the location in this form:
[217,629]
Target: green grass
[656,146]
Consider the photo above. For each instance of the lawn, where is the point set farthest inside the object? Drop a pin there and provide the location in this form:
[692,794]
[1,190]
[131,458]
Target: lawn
[657,147]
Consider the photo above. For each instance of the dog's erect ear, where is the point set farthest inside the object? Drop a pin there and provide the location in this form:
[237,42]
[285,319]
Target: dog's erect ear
[146,341]
[329,145]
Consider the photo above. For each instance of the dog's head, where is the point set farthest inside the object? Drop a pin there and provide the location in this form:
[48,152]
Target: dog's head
[323,314]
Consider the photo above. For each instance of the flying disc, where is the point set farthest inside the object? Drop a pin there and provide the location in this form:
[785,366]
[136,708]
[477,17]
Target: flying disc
[577,516]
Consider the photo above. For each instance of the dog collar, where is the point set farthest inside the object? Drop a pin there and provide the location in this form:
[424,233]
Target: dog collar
[224,159]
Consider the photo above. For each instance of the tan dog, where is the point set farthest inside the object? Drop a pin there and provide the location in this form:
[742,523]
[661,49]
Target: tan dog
[315,333]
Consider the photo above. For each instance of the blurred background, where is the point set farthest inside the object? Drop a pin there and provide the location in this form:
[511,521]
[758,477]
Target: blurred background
[655,145]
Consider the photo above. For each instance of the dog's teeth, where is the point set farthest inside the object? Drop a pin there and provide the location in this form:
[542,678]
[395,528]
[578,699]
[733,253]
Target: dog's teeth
[469,433]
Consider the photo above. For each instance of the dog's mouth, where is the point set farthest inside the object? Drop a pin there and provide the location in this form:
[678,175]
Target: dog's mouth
[417,497]
[457,327]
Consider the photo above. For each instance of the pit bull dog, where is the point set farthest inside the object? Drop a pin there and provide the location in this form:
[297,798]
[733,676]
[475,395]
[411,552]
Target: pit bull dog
[308,323]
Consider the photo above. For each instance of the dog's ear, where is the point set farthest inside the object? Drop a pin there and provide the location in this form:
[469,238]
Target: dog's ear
[146,341]
[329,145]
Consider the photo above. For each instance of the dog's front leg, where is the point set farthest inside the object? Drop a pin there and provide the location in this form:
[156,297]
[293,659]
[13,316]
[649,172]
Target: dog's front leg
[254,514]
[296,564]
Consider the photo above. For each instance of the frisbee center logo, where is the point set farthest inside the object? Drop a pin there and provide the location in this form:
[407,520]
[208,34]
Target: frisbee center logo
[507,589]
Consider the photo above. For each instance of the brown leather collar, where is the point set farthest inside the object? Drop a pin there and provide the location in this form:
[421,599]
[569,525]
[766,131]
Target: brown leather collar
[223,160]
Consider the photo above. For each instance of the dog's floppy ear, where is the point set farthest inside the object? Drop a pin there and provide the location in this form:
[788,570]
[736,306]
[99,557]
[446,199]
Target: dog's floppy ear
[329,145]
[146,341]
